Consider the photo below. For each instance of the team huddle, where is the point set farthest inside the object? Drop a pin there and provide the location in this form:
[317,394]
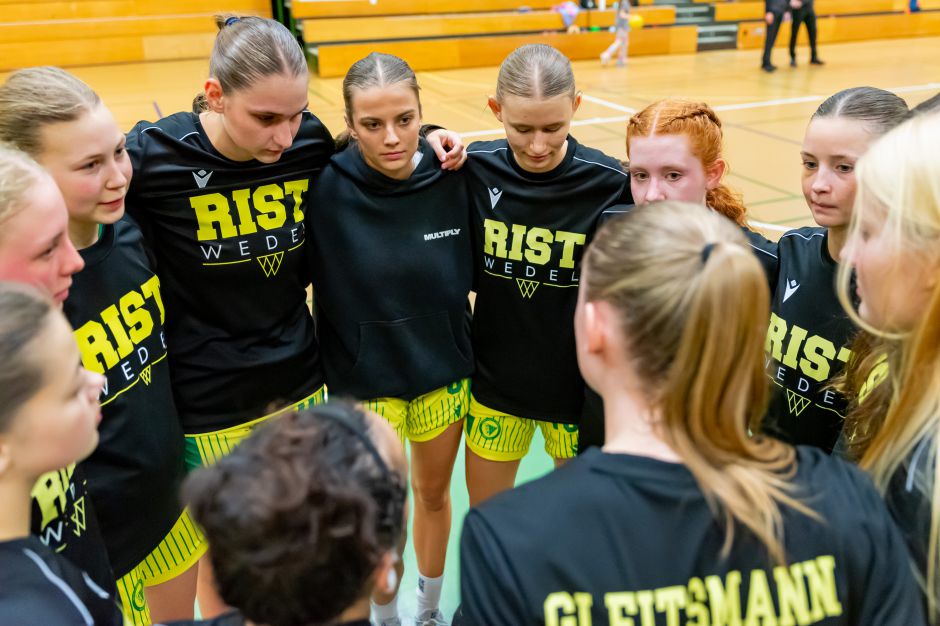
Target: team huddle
[744,431]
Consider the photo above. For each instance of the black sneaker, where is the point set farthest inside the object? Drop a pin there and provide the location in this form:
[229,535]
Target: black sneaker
[816,62]
[769,68]
[792,61]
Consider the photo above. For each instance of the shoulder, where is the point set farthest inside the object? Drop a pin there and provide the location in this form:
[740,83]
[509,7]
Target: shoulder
[177,127]
[806,237]
[479,149]
[599,163]
[40,587]
[837,489]
[910,490]
[312,127]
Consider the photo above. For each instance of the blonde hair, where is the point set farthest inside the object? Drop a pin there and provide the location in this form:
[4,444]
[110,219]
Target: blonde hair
[18,175]
[693,306]
[700,124]
[537,71]
[249,48]
[36,96]
[899,181]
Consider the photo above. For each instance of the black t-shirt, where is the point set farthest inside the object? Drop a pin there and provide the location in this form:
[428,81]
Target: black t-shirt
[63,518]
[530,233]
[634,538]
[116,308]
[807,343]
[392,266]
[228,239]
[40,587]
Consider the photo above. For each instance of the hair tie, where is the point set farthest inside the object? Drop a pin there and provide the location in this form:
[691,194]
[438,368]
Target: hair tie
[706,251]
[232,20]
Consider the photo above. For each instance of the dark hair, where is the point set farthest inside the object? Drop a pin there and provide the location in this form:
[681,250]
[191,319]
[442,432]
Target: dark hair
[249,48]
[375,70]
[881,109]
[299,516]
[930,105]
[24,314]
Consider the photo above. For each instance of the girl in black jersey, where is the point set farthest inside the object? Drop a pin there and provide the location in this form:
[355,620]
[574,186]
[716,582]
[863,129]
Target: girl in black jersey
[391,263]
[116,309]
[809,338]
[892,248]
[221,196]
[332,482]
[35,249]
[48,417]
[536,196]
[683,517]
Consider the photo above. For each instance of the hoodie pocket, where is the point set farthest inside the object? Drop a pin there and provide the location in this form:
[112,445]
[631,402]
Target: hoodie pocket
[408,357]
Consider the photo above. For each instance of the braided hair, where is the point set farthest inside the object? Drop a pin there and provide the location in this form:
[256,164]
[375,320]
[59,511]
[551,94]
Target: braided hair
[698,122]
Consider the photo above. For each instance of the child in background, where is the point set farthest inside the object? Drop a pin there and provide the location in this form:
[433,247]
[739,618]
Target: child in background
[621,36]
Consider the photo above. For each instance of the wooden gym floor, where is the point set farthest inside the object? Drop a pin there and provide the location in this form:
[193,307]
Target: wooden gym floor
[764,117]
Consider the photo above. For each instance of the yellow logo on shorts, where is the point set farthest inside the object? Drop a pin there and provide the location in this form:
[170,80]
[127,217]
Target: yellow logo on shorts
[271,263]
[145,375]
[527,287]
[490,428]
[796,402]
[138,599]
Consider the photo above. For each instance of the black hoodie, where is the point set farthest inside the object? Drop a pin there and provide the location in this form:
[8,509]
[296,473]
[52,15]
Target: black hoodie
[392,266]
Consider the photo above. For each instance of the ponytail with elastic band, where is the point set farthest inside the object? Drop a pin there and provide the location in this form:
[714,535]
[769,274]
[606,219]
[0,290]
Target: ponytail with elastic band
[706,251]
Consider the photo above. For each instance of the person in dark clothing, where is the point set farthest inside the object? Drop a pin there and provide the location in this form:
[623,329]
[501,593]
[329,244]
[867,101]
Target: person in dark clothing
[809,336]
[49,413]
[390,257]
[304,518]
[683,516]
[35,249]
[803,12]
[135,473]
[774,10]
[537,198]
[892,251]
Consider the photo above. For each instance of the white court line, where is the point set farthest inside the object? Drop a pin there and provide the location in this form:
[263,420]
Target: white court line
[725,107]
[608,104]
[802,99]
[767,226]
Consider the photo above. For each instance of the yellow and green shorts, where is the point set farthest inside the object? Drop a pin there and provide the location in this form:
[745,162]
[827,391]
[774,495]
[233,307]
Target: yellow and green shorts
[496,436]
[428,415]
[179,550]
[207,448]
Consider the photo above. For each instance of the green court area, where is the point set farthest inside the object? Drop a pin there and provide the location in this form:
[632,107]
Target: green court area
[536,464]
